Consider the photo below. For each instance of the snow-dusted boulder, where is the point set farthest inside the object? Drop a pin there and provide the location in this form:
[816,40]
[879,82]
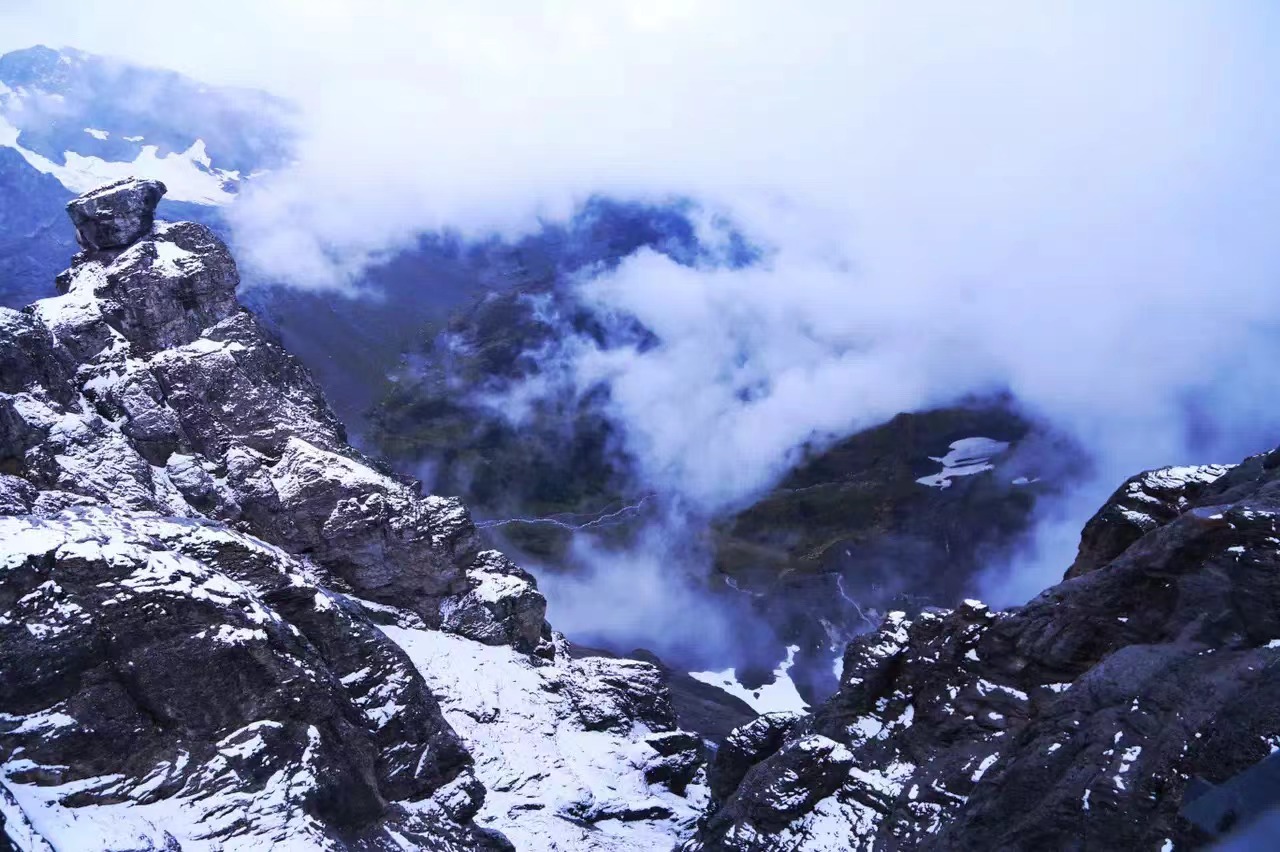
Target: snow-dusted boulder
[115,215]
[502,607]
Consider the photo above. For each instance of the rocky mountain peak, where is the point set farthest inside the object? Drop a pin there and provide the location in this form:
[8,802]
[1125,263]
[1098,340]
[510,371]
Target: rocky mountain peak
[176,496]
[116,215]
[158,285]
[1078,721]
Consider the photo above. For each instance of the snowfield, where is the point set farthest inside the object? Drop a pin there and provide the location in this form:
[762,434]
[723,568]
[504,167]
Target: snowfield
[553,785]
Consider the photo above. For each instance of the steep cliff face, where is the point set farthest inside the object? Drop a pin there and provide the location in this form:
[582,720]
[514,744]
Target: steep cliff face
[1074,722]
[221,627]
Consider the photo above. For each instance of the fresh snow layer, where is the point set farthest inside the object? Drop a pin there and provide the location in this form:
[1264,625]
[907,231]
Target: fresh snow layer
[552,784]
[189,175]
[194,822]
[172,261]
[225,816]
[1170,478]
[777,697]
[966,457]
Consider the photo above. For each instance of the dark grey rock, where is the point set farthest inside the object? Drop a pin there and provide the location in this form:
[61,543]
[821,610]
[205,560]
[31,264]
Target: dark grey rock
[16,495]
[502,607]
[619,692]
[745,747]
[1145,502]
[679,756]
[29,358]
[115,215]
[787,784]
[163,291]
[1074,722]
[299,700]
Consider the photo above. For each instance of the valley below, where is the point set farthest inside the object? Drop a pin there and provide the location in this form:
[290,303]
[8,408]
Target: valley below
[617,528]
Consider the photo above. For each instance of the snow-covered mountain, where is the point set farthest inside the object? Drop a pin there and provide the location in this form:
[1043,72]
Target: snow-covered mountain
[226,625]
[71,121]
[224,628]
[87,120]
[221,627]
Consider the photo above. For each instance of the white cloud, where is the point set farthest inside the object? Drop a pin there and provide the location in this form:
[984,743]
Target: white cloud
[1077,200]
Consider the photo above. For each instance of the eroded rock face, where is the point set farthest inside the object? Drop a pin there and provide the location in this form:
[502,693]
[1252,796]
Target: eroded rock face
[745,747]
[163,291]
[210,604]
[151,337]
[155,666]
[115,215]
[1145,502]
[1073,722]
[503,606]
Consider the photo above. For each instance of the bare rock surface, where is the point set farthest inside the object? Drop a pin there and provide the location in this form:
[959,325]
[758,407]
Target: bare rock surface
[115,215]
[1074,722]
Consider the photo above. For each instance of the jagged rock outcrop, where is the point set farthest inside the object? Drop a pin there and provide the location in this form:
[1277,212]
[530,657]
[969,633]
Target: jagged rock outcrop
[503,606]
[1145,502]
[115,215]
[193,684]
[184,389]
[212,608]
[1074,722]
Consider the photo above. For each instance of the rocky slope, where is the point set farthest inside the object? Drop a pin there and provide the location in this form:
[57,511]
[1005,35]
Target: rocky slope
[1075,722]
[902,516]
[221,627]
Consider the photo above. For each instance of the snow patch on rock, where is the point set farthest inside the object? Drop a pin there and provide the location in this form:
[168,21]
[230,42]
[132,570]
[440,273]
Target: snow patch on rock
[780,696]
[965,458]
[552,784]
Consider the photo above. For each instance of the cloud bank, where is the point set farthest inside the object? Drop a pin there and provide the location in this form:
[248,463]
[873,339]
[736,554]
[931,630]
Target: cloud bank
[1073,201]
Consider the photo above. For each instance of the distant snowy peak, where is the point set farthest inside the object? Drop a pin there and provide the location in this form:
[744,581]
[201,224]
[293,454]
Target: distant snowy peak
[189,174]
[87,121]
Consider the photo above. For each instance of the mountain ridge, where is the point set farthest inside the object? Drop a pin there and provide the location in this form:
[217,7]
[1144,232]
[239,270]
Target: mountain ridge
[176,497]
